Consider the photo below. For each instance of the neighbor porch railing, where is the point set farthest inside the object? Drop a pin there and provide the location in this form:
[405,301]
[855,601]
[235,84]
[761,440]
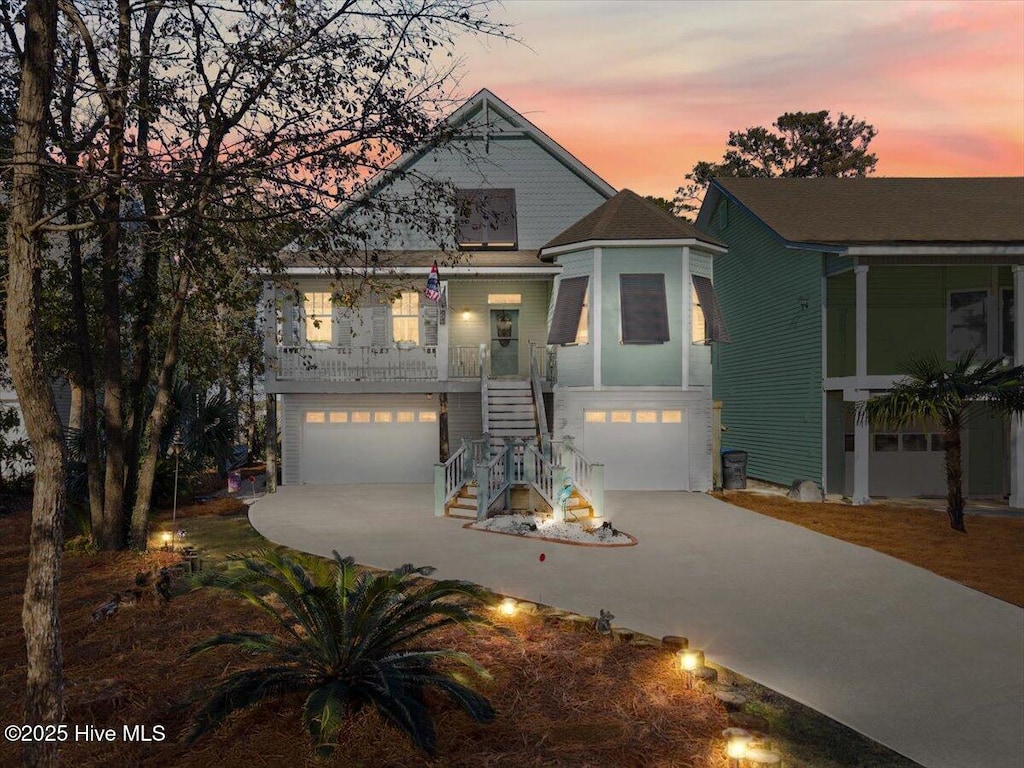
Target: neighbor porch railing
[389,363]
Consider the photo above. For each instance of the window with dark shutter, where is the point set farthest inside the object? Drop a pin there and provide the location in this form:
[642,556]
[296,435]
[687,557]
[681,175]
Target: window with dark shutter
[714,325]
[487,218]
[569,307]
[644,309]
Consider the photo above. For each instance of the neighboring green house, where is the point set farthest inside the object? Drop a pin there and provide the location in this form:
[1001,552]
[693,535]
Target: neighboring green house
[829,286]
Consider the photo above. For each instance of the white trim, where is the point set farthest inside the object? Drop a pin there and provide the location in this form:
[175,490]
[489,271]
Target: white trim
[456,270]
[994,249]
[687,309]
[587,244]
[873,381]
[861,458]
[594,321]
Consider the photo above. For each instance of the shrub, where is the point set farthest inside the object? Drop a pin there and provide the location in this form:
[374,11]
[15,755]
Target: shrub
[347,639]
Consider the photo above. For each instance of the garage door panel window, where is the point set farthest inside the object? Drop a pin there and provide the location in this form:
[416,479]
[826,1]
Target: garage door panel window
[646,417]
[406,417]
[428,416]
[622,417]
[671,417]
[382,417]
[339,417]
[360,417]
[596,417]
[315,417]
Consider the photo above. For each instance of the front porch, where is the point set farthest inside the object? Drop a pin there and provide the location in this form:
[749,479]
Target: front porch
[881,310]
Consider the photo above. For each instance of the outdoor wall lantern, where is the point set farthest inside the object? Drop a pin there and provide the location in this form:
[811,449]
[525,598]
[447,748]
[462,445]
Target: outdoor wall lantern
[465,314]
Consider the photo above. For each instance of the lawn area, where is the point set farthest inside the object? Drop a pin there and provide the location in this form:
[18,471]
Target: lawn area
[989,557]
[563,697]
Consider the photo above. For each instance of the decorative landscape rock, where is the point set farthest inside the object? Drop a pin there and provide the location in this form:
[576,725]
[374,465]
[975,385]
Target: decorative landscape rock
[757,756]
[675,643]
[748,721]
[733,700]
[805,490]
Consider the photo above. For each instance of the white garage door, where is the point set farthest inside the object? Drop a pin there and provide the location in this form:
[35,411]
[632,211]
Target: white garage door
[342,446]
[641,449]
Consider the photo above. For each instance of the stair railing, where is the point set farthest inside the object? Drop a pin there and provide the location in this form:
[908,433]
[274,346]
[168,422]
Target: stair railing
[483,390]
[544,476]
[587,476]
[451,476]
[538,393]
[492,480]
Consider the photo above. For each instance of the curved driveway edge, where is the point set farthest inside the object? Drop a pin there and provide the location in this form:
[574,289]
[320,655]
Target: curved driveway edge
[923,665]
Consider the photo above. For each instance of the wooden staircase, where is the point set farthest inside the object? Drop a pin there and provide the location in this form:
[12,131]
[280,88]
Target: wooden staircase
[511,412]
[464,504]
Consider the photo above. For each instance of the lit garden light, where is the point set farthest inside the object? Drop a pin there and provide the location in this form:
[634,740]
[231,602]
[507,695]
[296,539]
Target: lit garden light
[507,607]
[690,661]
[168,540]
[736,749]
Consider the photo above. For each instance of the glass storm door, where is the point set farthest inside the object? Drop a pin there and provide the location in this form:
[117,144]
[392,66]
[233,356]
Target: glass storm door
[504,342]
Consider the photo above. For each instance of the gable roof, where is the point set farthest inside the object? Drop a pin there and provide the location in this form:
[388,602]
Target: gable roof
[627,216]
[837,211]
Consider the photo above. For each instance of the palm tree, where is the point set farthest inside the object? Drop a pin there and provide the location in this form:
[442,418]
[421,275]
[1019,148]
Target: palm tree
[948,394]
[346,639]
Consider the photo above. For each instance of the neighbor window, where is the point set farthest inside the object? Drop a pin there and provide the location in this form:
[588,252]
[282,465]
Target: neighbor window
[487,218]
[643,309]
[319,313]
[967,323]
[1006,319]
[405,317]
[569,323]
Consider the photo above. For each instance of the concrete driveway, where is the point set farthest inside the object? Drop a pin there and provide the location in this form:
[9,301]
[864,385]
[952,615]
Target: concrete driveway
[921,664]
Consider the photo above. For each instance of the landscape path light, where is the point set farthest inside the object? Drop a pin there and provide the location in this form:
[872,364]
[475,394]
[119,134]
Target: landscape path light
[174,451]
[507,607]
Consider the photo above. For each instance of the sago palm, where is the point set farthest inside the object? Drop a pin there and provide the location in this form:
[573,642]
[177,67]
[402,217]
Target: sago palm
[948,393]
[346,639]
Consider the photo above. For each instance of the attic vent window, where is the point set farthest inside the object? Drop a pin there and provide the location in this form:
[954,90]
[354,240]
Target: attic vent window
[706,323]
[487,218]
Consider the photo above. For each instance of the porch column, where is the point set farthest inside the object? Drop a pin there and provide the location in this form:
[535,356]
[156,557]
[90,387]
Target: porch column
[1017,423]
[268,323]
[442,333]
[861,431]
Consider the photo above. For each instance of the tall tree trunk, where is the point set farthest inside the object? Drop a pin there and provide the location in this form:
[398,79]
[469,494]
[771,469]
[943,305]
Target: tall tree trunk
[39,616]
[158,418]
[954,475]
[111,533]
[271,439]
[442,407]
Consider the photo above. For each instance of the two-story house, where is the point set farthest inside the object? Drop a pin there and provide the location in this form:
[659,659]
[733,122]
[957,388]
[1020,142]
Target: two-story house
[571,311]
[831,286]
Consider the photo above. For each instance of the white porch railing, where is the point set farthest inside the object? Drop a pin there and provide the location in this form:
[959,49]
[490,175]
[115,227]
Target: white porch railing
[450,476]
[538,392]
[357,363]
[463,362]
[492,481]
[587,476]
[546,478]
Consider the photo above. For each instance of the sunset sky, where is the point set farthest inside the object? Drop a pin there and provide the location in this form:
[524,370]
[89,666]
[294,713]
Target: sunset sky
[640,90]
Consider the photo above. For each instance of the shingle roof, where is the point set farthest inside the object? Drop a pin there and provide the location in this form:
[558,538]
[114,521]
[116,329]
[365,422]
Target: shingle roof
[627,216]
[886,210]
[405,259]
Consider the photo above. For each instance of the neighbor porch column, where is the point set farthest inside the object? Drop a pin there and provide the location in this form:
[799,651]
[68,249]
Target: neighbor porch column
[1017,422]
[861,431]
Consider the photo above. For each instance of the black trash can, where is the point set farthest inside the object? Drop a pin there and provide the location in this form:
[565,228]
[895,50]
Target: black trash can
[734,470]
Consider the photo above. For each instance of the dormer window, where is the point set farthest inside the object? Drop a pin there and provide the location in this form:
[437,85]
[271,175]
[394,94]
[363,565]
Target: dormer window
[487,219]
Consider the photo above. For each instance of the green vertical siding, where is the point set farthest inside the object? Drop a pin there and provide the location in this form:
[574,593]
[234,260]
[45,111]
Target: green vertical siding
[656,365]
[769,377]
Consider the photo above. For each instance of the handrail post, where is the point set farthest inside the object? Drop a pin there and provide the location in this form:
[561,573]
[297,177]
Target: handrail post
[557,480]
[597,489]
[509,450]
[566,453]
[483,389]
[439,490]
[482,491]
[529,466]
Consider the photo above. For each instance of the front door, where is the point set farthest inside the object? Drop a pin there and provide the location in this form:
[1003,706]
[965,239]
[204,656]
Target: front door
[504,342]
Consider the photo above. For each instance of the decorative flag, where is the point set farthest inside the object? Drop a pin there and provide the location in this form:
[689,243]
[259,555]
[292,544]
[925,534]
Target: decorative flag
[433,291]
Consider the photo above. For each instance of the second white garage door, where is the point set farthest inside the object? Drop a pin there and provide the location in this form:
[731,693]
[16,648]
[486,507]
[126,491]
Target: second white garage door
[344,446]
[641,449]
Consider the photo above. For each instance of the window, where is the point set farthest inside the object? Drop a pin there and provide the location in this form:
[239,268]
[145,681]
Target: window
[938,442]
[382,417]
[967,323]
[596,417]
[319,312]
[404,417]
[339,417]
[622,417]
[914,442]
[671,417]
[570,315]
[885,443]
[360,417]
[428,415]
[405,317]
[644,310]
[706,323]
[314,417]
[487,218]
[646,417]
[583,329]
[1006,319]
[504,298]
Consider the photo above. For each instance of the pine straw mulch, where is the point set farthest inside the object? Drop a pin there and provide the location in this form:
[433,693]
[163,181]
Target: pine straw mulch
[988,558]
[563,698]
